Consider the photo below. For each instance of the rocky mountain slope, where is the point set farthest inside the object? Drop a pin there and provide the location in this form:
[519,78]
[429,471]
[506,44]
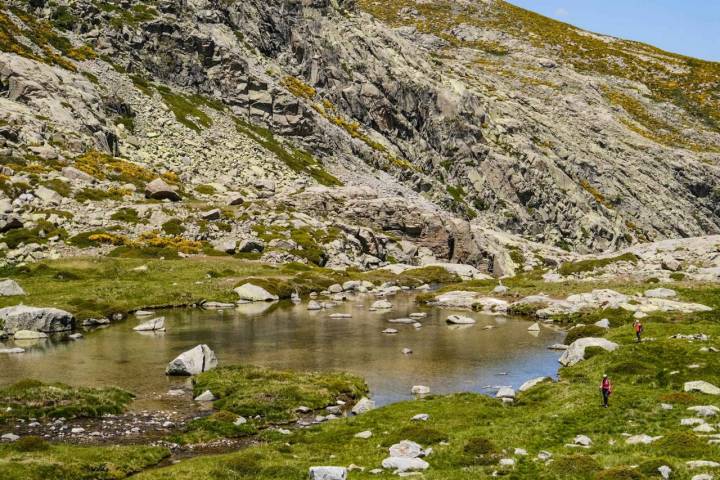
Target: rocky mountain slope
[345,133]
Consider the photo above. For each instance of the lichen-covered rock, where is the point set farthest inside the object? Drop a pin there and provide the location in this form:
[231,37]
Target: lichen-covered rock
[192,362]
[576,351]
[10,288]
[158,189]
[253,293]
[47,320]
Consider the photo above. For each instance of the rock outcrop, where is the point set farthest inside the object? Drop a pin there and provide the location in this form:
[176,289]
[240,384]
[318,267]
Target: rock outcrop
[47,320]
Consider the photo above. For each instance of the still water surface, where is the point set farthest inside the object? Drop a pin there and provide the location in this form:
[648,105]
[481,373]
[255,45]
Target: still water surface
[444,358]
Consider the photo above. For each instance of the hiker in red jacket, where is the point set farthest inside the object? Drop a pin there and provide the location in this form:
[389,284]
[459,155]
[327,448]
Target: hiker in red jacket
[638,329]
[606,390]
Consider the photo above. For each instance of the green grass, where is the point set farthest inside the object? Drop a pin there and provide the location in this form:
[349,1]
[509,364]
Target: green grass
[32,399]
[275,394]
[38,234]
[71,462]
[174,226]
[126,215]
[185,109]
[297,160]
[570,268]
[100,286]
[479,430]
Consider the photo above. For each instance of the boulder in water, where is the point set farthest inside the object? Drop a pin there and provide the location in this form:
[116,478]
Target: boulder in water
[197,360]
[156,324]
[48,320]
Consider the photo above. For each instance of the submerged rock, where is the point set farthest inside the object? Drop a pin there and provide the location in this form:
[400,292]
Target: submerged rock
[29,335]
[48,320]
[460,320]
[156,324]
[197,360]
[381,305]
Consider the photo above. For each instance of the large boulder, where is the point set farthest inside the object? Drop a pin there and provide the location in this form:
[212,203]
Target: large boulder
[328,473]
[158,189]
[253,293]
[197,360]
[48,320]
[251,245]
[576,351]
[10,288]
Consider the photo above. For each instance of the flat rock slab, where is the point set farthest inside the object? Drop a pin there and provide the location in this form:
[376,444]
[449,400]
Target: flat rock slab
[156,324]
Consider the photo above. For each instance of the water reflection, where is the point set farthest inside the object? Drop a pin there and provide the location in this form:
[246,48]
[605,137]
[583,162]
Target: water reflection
[445,358]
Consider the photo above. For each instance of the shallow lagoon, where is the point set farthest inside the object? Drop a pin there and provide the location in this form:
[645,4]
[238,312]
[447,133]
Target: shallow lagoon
[445,358]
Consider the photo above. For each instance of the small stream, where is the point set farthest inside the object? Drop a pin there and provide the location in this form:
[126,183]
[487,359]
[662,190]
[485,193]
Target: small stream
[445,358]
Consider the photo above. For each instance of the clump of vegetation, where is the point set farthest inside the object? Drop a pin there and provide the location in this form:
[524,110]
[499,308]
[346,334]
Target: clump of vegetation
[620,473]
[106,167]
[33,399]
[218,425]
[185,109]
[206,189]
[99,194]
[583,332]
[174,227]
[275,394]
[417,433]
[40,234]
[297,160]
[682,445]
[299,88]
[31,443]
[126,215]
[576,466]
[570,268]
[61,187]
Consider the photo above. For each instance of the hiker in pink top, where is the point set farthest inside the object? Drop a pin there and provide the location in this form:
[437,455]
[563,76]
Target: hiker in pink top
[606,390]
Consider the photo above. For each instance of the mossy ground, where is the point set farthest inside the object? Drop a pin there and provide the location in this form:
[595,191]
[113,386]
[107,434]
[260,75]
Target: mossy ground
[70,462]
[545,418]
[275,394]
[100,286]
[32,399]
[469,432]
